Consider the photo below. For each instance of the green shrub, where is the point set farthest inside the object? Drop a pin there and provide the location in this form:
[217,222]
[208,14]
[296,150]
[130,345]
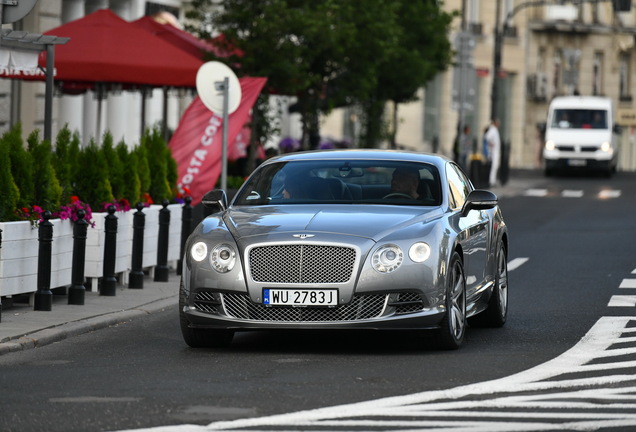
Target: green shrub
[115,169]
[92,185]
[9,193]
[63,162]
[47,192]
[132,186]
[21,165]
[155,150]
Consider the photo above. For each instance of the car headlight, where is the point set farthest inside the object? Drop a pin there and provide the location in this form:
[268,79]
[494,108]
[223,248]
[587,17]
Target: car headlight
[606,147]
[419,252]
[199,251]
[223,258]
[549,145]
[387,258]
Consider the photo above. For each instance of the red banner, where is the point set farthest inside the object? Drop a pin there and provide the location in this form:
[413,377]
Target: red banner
[197,144]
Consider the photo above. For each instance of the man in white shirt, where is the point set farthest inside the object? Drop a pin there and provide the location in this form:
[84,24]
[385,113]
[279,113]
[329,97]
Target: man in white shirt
[494,151]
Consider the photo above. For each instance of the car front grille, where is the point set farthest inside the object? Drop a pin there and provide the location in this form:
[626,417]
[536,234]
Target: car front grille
[301,263]
[362,307]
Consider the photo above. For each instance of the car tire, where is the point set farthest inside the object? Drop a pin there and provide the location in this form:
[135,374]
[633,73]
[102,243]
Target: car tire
[198,337]
[452,329]
[496,312]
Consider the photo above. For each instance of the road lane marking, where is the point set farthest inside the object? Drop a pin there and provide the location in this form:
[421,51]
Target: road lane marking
[516,263]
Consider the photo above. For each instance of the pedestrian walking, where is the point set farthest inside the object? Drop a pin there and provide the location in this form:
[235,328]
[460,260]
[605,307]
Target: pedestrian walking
[465,148]
[494,151]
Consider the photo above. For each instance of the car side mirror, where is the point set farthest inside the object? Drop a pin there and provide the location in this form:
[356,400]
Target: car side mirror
[479,200]
[215,200]
[617,129]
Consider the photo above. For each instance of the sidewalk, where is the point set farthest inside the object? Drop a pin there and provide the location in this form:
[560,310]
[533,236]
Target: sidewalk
[23,328]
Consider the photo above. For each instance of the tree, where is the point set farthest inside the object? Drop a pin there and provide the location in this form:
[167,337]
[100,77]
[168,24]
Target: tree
[422,50]
[323,52]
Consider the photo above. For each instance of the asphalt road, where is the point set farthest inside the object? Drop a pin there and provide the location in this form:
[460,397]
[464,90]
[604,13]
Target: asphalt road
[578,240]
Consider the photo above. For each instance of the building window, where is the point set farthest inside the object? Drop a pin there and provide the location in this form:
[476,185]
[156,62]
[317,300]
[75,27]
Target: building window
[624,85]
[597,74]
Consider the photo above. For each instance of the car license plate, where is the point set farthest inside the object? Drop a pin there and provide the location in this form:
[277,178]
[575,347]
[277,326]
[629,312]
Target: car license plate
[300,297]
[577,162]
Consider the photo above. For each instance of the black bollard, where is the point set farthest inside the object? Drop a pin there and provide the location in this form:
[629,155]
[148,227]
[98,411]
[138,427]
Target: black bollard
[161,270]
[136,279]
[77,290]
[109,282]
[43,296]
[186,229]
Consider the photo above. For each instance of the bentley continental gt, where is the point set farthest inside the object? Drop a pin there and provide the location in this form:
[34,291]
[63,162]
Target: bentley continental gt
[347,239]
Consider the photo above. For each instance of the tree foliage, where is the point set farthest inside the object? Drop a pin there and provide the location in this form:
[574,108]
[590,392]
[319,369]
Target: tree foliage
[332,53]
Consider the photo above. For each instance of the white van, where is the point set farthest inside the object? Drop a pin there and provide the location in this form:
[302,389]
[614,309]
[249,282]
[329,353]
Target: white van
[580,133]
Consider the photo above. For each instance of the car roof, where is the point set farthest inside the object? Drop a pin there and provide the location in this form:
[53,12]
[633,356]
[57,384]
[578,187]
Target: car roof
[577,102]
[362,154]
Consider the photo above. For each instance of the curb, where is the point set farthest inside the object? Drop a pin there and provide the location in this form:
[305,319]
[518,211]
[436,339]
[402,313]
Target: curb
[74,328]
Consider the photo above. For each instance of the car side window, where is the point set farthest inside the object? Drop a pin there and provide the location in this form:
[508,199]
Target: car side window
[459,186]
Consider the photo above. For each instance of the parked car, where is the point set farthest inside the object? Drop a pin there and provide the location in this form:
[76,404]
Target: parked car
[347,239]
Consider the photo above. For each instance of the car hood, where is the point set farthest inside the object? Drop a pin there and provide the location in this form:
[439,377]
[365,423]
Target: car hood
[363,221]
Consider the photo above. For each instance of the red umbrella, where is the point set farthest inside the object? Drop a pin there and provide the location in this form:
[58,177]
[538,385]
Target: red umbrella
[104,48]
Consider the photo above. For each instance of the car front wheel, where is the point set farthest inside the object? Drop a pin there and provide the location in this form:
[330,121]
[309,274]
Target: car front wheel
[497,311]
[453,326]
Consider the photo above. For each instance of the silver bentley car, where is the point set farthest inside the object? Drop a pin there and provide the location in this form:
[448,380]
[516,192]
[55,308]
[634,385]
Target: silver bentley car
[347,239]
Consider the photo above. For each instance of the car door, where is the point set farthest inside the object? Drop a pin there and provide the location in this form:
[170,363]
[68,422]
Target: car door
[472,230]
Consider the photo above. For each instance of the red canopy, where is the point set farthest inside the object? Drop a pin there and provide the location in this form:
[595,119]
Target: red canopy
[107,49]
[177,37]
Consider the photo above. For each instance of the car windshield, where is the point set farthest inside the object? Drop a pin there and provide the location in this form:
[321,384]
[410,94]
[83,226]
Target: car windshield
[342,181]
[579,119]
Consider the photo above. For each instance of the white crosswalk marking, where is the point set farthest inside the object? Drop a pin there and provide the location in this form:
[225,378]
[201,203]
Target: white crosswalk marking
[536,192]
[567,193]
[557,395]
[572,193]
[605,194]
[628,283]
[622,301]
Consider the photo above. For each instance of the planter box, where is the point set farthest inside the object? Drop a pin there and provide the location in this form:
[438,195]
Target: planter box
[20,248]
[174,237]
[19,256]
[95,239]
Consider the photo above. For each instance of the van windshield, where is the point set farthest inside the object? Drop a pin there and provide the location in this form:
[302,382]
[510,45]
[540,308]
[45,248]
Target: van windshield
[579,119]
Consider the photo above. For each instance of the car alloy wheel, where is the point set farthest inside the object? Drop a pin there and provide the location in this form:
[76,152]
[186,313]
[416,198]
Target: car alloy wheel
[453,325]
